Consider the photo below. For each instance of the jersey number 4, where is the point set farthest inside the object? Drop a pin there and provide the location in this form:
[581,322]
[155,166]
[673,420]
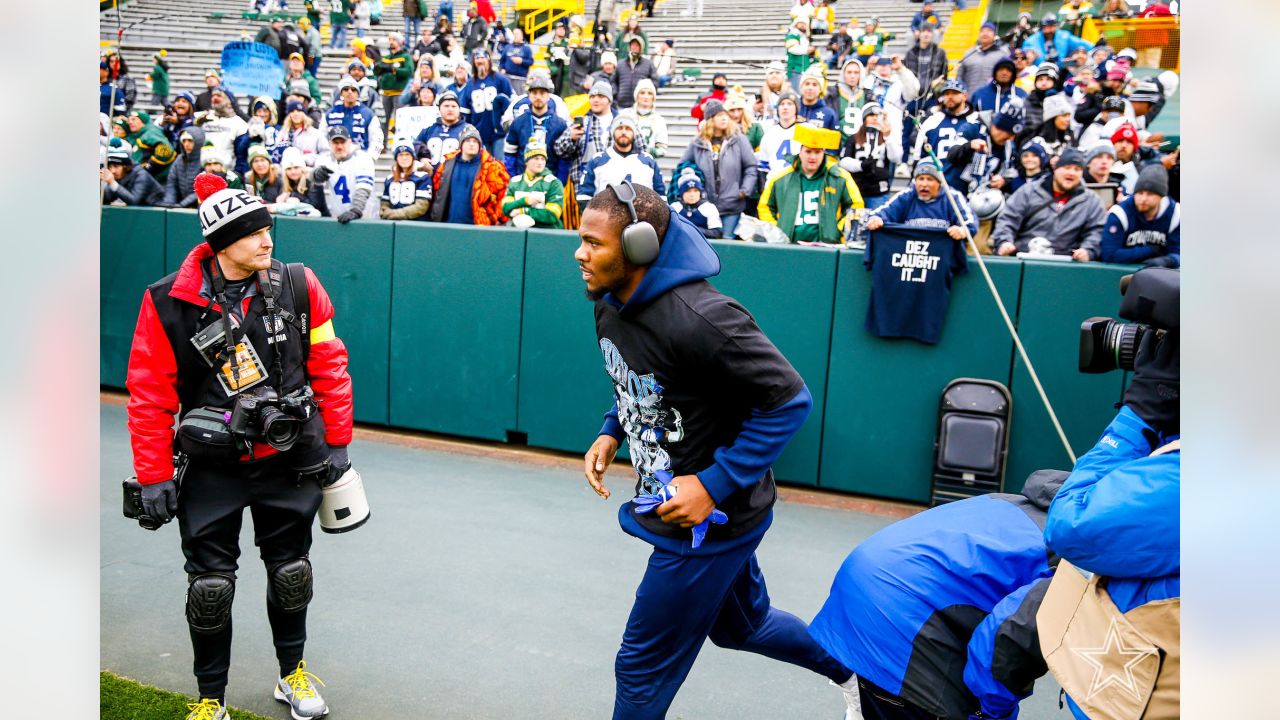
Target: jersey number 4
[341,190]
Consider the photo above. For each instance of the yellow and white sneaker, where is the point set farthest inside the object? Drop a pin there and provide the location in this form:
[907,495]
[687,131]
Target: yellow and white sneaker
[298,690]
[207,709]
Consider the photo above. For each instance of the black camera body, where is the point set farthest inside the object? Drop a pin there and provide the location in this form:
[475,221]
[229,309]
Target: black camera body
[1150,302]
[264,415]
[133,505]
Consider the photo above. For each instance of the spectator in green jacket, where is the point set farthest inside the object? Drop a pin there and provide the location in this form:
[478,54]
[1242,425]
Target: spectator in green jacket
[151,148]
[535,198]
[393,71]
[812,199]
[159,78]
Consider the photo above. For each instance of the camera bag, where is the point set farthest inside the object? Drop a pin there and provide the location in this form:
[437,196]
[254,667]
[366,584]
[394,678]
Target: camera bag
[205,435]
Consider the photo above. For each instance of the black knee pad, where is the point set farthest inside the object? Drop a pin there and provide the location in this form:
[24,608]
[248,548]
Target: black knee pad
[291,584]
[209,599]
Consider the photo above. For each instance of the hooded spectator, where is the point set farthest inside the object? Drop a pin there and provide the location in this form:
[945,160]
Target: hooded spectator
[724,155]
[468,186]
[151,149]
[1056,215]
[846,97]
[1145,227]
[179,189]
[1046,84]
[813,198]
[126,183]
[634,69]
[775,83]
[997,94]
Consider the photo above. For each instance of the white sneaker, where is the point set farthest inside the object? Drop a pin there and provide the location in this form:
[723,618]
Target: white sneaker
[207,709]
[299,693]
[852,698]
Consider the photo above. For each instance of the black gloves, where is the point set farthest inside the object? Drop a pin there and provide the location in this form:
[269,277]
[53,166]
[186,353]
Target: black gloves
[160,501]
[1153,390]
[321,173]
[339,463]
[347,216]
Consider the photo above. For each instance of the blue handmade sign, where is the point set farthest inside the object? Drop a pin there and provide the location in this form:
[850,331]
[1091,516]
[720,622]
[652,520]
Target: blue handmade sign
[251,68]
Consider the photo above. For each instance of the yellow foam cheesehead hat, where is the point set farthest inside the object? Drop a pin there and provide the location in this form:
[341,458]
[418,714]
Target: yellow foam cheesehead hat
[816,137]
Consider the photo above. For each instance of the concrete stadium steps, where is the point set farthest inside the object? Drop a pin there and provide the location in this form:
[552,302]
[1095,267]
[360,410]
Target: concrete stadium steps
[737,38]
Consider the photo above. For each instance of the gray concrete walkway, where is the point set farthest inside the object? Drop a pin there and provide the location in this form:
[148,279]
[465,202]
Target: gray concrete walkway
[485,587]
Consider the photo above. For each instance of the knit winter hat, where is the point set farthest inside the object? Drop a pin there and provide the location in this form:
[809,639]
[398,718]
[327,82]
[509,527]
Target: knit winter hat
[688,179]
[1009,119]
[535,149]
[1102,148]
[292,157]
[1070,156]
[1125,132]
[623,121]
[644,84]
[608,56]
[469,132]
[257,150]
[1047,69]
[1055,105]
[602,88]
[1152,178]
[711,108]
[227,215]
[928,168]
[1038,150]
[1147,92]
[1113,103]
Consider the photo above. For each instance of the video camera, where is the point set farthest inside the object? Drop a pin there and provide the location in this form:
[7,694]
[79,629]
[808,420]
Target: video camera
[1150,302]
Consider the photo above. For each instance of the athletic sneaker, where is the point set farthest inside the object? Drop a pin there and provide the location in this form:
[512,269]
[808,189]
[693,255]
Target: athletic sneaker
[852,698]
[207,709]
[297,690]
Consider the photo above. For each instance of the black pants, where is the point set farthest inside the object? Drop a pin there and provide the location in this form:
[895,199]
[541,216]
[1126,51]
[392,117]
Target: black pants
[210,509]
[880,704]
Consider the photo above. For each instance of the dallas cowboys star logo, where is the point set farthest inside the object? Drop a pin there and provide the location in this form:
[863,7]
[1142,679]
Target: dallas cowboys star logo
[1113,663]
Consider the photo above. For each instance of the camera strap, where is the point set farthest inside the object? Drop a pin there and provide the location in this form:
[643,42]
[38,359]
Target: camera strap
[273,322]
[220,294]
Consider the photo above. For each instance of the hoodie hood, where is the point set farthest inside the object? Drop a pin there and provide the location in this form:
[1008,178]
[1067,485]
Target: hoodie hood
[1042,485]
[197,137]
[685,257]
[269,104]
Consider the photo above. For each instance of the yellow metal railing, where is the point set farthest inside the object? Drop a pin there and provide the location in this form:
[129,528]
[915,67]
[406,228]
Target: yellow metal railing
[962,31]
[1157,40]
[539,16]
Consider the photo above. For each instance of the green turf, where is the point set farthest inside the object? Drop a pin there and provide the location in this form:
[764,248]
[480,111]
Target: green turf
[125,699]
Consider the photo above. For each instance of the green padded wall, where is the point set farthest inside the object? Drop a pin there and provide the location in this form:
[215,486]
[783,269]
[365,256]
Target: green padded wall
[789,291]
[564,391]
[353,262]
[455,328]
[1056,298]
[182,232]
[882,395]
[131,245]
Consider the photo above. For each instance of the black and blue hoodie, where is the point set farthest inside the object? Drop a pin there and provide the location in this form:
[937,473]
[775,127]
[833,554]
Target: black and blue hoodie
[698,389]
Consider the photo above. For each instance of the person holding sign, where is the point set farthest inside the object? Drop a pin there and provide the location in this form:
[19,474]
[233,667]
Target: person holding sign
[242,304]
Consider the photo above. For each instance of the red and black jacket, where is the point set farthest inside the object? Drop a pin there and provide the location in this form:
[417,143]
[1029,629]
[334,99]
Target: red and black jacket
[166,374]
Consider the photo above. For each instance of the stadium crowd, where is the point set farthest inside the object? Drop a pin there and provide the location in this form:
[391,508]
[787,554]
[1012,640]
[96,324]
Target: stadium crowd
[1042,137]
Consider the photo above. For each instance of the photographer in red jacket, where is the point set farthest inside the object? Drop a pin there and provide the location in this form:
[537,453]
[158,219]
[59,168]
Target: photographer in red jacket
[242,349]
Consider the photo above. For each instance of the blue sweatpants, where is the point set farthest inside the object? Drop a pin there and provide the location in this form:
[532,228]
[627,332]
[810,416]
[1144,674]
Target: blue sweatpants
[682,601]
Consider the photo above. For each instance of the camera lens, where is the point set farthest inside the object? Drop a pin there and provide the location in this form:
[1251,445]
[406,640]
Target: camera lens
[1125,343]
[278,429]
